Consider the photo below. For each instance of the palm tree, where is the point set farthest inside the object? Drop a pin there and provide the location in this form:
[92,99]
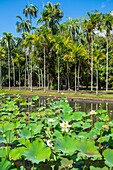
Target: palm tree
[107,27]
[9,40]
[2,54]
[51,15]
[22,25]
[98,55]
[77,54]
[89,26]
[28,43]
[30,11]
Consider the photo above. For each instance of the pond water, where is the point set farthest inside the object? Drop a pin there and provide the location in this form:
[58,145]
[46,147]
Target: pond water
[81,105]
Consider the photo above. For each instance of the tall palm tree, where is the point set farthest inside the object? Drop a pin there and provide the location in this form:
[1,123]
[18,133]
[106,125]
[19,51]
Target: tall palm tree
[107,26]
[30,11]
[22,25]
[28,43]
[51,15]
[2,54]
[9,40]
[89,26]
[76,55]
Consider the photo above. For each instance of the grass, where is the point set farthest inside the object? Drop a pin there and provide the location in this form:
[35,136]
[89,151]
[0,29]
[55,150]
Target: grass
[69,94]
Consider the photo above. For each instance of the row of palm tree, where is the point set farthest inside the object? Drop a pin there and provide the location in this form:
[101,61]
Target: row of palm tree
[58,55]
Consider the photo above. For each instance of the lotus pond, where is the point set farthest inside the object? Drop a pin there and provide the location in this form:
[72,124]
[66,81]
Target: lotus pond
[53,138]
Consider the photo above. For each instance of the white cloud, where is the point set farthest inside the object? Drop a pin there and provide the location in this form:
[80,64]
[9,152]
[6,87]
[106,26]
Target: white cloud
[103,5]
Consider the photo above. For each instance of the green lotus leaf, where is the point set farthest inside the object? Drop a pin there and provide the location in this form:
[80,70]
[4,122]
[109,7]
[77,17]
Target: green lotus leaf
[5,165]
[66,116]
[78,115]
[35,98]
[86,125]
[37,151]
[35,128]
[97,168]
[66,144]
[66,163]
[104,138]
[81,135]
[4,151]
[98,125]
[87,148]
[93,132]
[25,133]
[108,156]
[9,136]
[8,126]
[2,140]
[16,153]
[77,125]
[67,109]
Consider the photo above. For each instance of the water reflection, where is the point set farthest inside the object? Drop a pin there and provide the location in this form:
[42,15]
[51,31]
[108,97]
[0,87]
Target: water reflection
[82,105]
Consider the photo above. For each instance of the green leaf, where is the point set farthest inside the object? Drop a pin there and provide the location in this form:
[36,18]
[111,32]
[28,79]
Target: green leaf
[5,165]
[108,156]
[78,115]
[66,144]
[25,133]
[37,151]
[16,153]
[97,168]
[65,163]
[87,148]
[35,98]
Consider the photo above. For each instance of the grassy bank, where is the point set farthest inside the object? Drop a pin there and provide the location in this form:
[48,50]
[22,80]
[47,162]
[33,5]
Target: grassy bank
[85,95]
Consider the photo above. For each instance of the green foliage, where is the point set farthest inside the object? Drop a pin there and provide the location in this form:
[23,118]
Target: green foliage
[55,136]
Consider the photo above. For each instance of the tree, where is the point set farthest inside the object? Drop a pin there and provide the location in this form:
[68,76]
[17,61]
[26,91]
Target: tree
[89,26]
[107,27]
[9,40]
[30,11]
[51,15]
[22,25]
[76,55]
[2,54]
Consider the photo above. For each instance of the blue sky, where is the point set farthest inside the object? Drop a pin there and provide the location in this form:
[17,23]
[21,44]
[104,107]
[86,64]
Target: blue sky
[9,9]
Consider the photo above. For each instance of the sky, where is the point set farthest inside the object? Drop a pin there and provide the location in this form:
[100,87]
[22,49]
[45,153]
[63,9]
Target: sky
[9,9]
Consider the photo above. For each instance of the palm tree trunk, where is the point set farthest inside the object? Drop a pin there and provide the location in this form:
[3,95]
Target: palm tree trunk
[107,66]
[68,76]
[42,78]
[92,66]
[44,71]
[58,75]
[19,78]
[31,76]
[0,75]
[97,81]
[9,68]
[78,75]
[75,80]
[13,73]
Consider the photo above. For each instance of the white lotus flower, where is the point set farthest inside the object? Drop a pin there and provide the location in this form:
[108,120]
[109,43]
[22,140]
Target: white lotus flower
[65,126]
[93,112]
[49,143]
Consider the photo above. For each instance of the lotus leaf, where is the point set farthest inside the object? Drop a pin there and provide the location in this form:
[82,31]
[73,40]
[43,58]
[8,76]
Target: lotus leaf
[37,151]
[5,165]
[66,144]
[35,98]
[65,163]
[97,168]
[98,125]
[35,128]
[87,148]
[78,115]
[16,153]
[108,156]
